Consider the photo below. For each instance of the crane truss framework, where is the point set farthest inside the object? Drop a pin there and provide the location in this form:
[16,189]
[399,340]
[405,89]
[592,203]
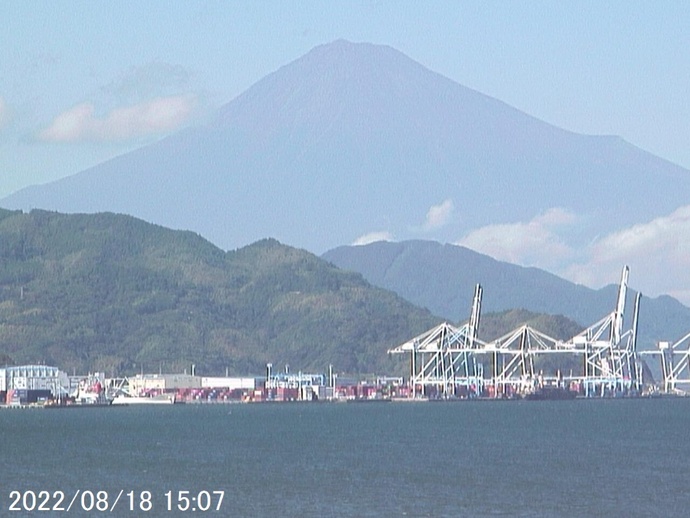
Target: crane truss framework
[454,361]
[444,357]
[675,365]
[512,360]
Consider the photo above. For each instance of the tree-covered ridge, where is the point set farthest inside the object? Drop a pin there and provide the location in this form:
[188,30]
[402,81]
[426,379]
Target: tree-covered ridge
[113,293]
[494,325]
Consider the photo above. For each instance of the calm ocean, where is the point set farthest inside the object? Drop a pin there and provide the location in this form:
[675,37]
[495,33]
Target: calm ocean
[529,458]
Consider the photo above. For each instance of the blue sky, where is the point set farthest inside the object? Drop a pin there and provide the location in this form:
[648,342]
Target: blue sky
[588,66]
[83,81]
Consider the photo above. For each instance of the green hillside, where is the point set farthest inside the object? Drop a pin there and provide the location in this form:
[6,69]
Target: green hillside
[494,325]
[441,278]
[113,293]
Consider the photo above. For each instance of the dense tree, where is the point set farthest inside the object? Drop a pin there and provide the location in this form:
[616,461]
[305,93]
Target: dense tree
[113,293]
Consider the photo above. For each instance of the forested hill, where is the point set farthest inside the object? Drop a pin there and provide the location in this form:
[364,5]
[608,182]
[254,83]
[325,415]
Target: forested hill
[441,278]
[113,293]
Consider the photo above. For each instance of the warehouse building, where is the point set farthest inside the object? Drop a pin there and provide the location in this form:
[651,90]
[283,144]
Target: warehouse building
[25,384]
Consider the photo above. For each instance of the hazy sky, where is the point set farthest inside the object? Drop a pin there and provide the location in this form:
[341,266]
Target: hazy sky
[83,81]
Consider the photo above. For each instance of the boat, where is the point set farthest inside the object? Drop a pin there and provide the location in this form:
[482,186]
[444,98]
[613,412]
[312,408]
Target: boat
[124,394]
[551,392]
[124,398]
[89,393]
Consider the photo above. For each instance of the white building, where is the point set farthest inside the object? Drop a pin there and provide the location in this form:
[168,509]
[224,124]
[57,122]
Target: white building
[32,380]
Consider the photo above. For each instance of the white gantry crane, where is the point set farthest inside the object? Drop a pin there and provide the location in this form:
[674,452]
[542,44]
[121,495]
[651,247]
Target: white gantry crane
[610,354]
[444,357]
[675,365]
[513,360]
[448,361]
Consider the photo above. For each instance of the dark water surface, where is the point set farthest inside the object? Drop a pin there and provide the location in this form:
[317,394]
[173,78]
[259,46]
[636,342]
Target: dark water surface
[531,458]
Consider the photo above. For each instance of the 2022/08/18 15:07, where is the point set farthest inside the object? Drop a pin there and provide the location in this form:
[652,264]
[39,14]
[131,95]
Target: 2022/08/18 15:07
[100,501]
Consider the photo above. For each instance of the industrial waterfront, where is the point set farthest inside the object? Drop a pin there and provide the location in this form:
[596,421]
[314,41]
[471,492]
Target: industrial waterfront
[446,362]
[611,446]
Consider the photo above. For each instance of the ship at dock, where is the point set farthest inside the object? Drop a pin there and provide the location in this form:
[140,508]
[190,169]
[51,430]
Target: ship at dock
[90,391]
[551,392]
[129,399]
[124,393]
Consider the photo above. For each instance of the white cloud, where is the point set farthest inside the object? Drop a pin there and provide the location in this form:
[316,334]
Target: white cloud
[156,116]
[658,253]
[534,243]
[669,235]
[373,237]
[438,215]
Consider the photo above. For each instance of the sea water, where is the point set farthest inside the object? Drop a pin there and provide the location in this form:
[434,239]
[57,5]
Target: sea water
[626,457]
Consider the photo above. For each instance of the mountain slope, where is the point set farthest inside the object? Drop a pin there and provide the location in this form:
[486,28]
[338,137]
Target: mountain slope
[114,293]
[442,278]
[354,138]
